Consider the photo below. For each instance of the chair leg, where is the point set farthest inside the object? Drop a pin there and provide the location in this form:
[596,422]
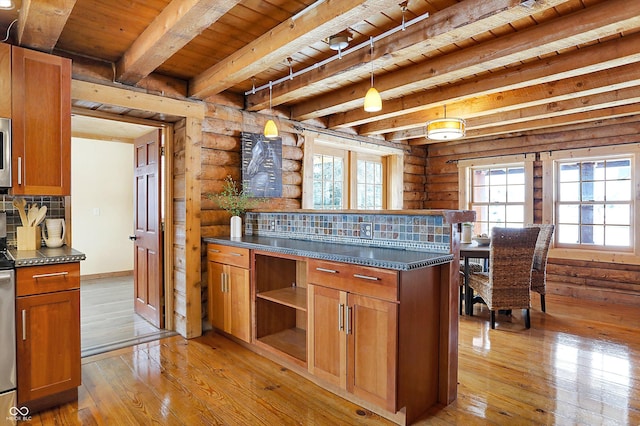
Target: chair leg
[493,320]
[527,319]
[543,306]
[461,297]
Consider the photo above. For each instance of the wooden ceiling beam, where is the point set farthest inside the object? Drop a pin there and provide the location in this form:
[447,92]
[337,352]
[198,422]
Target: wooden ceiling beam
[593,23]
[453,24]
[613,53]
[178,23]
[315,23]
[600,106]
[40,23]
[487,103]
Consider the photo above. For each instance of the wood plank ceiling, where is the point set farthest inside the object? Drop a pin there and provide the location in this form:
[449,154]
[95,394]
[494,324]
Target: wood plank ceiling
[505,66]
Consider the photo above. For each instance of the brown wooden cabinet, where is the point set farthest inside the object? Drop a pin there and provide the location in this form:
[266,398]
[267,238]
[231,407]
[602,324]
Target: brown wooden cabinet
[353,338]
[228,283]
[5,80]
[41,123]
[48,333]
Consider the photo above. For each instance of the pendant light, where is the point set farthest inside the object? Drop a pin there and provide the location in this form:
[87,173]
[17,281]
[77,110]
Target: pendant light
[6,4]
[270,128]
[445,129]
[372,100]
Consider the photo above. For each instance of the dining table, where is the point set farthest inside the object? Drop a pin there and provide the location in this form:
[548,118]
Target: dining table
[471,251]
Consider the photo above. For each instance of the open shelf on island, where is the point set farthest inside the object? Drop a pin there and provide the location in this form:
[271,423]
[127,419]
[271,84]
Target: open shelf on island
[292,341]
[280,301]
[294,297]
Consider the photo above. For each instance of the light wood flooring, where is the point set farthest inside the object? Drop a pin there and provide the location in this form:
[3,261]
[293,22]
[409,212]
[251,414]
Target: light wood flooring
[107,318]
[578,364]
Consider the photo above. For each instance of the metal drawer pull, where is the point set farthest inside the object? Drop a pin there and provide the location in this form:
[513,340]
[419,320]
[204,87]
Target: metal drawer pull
[340,317]
[235,254]
[222,274]
[19,170]
[53,274]
[366,277]
[331,271]
[214,251]
[348,320]
[24,324]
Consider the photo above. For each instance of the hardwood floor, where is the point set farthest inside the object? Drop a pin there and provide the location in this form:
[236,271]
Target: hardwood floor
[107,318]
[578,364]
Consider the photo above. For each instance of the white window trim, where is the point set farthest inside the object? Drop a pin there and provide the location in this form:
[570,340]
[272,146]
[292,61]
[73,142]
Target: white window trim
[549,195]
[394,157]
[464,178]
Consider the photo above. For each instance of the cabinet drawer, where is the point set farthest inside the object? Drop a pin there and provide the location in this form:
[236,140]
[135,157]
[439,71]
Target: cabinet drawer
[364,280]
[47,278]
[228,255]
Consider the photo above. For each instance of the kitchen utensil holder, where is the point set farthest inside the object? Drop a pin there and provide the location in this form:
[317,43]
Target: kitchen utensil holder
[29,237]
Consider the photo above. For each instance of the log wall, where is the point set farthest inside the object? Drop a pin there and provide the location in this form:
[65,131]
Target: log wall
[221,156]
[582,279]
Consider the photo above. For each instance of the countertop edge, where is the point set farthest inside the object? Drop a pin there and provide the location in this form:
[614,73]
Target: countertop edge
[442,258]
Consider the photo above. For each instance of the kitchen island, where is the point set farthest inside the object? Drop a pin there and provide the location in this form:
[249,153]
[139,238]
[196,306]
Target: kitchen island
[373,320]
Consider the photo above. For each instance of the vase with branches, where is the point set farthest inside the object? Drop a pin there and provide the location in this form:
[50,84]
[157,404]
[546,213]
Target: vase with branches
[236,201]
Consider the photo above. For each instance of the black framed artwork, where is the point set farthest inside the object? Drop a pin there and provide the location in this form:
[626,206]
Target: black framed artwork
[261,165]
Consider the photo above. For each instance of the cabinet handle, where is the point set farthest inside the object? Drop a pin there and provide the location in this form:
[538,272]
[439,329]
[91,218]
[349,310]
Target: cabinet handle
[331,271]
[226,283]
[348,320]
[24,324]
[366,277]
[235,254]
[222,275]
[214,251]
[340,317]
[53,274]
[19,170]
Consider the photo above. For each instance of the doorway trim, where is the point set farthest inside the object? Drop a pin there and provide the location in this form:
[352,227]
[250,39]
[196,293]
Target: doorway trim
[181,315]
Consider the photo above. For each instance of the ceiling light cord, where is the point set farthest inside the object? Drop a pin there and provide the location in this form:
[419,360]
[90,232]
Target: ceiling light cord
[9,29]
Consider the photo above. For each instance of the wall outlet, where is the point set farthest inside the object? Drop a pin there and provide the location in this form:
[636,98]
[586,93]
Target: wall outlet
[366,230]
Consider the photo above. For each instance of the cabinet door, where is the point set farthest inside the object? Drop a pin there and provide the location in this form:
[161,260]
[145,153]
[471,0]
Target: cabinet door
[372,344]
[327,339]
[48,347]
[5,80]
[229,300]
[238,303]
[41,123]
[216,293]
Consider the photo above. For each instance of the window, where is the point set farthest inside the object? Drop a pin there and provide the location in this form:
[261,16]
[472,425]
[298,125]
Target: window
[328,181]
[590,198]
[499,190]
[346,175]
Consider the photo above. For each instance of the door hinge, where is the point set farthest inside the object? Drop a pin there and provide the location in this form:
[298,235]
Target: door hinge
[162,151]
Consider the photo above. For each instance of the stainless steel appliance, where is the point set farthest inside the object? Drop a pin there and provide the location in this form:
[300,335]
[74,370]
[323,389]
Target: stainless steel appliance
[8,402]
[5,153]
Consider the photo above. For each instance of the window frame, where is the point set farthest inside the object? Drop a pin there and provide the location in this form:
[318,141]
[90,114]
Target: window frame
[549,196]
[392,158]
[465,182]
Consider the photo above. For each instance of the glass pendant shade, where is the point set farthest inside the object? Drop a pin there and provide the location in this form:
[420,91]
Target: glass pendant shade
[444,129]
[372,101]
[270,130]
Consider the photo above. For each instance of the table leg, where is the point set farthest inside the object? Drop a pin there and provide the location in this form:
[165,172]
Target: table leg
[468,297]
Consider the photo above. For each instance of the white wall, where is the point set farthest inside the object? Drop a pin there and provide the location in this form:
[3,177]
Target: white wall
[102,204]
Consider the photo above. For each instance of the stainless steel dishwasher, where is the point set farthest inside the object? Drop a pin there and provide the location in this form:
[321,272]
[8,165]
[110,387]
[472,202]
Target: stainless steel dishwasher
[7,346]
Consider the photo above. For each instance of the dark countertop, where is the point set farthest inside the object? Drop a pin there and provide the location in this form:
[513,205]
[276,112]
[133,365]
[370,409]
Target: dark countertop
[45,256]
[397,259]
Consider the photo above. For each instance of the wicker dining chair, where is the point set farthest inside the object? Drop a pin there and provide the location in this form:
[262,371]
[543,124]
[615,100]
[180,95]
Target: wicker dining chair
[506,285]
[539,271]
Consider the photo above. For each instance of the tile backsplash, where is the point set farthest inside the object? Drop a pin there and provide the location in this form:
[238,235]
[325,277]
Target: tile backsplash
[55,209]
[415,232]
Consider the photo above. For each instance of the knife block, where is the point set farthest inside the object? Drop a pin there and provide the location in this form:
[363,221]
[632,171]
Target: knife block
[29,237]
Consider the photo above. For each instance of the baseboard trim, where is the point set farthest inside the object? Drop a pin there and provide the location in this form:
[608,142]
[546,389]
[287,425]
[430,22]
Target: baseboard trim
[106,275]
